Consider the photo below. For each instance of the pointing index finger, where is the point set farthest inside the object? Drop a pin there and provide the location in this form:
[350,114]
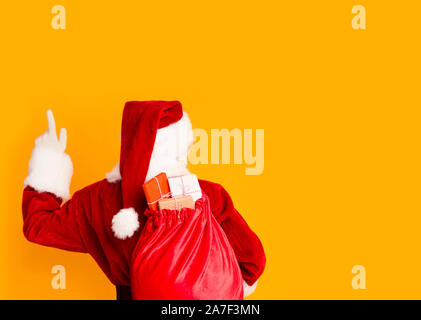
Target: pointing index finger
[51,122]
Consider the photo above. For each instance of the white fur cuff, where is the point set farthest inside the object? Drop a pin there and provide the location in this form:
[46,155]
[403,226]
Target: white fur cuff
[248,290]
[50,171]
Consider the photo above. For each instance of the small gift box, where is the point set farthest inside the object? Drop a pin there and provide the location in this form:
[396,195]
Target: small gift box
[185,186]
[156,189]
[176,203]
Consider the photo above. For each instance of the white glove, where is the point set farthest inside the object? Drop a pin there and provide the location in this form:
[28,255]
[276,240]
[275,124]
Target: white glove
[49,138]
[248,290]
[50,169]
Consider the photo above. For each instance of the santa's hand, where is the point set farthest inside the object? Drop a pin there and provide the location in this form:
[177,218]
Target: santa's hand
[49,138]
[247,289]
[50,169]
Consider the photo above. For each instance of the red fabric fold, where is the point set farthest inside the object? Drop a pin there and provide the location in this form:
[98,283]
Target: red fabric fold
[141,120]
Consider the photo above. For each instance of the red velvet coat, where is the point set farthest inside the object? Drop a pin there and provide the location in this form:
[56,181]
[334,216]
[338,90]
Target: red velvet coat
[83,224]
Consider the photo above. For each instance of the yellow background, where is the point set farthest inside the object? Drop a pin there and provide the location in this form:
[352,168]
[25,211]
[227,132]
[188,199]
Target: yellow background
[340,109]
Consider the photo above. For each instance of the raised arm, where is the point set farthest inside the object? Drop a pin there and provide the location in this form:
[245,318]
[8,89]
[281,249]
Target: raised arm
[47,223]
[50,170]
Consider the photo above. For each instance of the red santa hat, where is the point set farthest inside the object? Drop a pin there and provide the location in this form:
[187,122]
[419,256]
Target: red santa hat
[141,121]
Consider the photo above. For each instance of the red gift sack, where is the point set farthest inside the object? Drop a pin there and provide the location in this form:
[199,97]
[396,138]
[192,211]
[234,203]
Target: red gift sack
[184,255]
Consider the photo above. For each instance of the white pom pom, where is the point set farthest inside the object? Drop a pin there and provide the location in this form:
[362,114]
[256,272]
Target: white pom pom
[125,223]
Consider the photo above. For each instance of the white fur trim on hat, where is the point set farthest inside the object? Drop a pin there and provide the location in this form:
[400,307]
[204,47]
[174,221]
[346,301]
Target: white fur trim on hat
[248,290]
[169,153]
[50,170]
[125,223]
[171,148]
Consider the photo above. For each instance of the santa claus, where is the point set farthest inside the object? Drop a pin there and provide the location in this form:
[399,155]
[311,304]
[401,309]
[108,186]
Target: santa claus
[106,219]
